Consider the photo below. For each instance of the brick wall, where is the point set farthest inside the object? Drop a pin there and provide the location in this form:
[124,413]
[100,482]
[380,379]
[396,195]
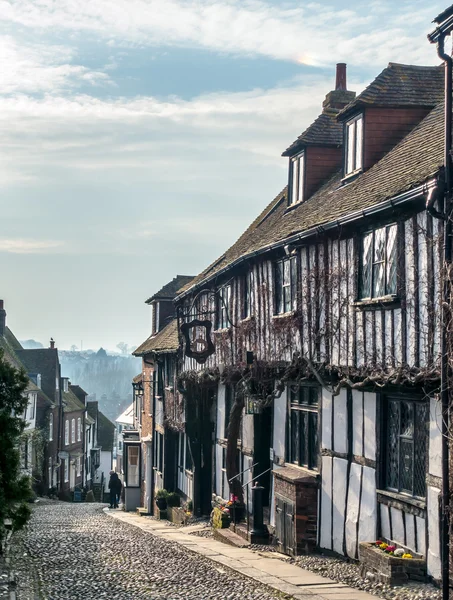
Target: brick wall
[385,127]
[300,487]
[320,164]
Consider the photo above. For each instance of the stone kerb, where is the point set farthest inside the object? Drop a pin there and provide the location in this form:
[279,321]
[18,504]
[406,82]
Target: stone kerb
[390,570]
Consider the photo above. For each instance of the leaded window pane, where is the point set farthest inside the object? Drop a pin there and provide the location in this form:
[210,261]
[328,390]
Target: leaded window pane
[293,282]
[278,287]
[406,447]
[287,298]
[367,255]
[378,280]
[391,259]
[303,436]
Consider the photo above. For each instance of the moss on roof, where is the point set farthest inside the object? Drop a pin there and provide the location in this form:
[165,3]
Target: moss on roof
[106,433]
[165,340]
[71,403]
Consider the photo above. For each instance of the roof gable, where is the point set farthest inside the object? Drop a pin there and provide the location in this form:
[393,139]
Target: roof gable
[170,289]
[401,86]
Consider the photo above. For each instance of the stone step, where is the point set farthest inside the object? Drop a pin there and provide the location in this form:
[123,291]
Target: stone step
[227,536]
[143,512]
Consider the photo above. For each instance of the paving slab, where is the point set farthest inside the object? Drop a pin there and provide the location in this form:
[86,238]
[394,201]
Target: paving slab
[284,577]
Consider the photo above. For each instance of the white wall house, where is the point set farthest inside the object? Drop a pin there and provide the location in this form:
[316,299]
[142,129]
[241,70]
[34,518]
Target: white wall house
[123,422]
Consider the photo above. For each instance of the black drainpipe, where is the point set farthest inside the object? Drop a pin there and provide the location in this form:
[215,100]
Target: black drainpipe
[445,371]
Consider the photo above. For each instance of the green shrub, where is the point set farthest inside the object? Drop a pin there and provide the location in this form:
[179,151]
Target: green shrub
[162,494]
[173,499]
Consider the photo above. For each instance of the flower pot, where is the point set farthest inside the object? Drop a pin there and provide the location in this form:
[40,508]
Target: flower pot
[161,503]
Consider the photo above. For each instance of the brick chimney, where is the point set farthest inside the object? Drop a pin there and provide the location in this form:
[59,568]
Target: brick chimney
[340,96]
[52,343]
[2,319]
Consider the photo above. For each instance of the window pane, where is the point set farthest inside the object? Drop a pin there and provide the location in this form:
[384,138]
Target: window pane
[393,445]
[391,260]
[359,143]
[420,443]
[132,466]
[295,175]
[294,436]
[313,395]
[407,419]
[303,437]
[300,195]
[350,133]
[278,287]
[379,263]
[286,273]
[293,283]
[367,248]
[287,305]
[406,465]
[313,441]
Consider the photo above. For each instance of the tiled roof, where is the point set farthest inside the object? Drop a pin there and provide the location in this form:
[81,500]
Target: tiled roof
[414,160]
[92,408]
[165,340]
[169,291]
[106,433]
[324,131]
[401,86]
[71,403]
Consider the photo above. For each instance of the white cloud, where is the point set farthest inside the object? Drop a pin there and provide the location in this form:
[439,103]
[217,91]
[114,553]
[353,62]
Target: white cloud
[42,68]
[308,33]
[27,246]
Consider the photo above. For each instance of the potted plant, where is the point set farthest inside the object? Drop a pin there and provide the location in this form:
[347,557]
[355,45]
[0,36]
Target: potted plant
[161,499]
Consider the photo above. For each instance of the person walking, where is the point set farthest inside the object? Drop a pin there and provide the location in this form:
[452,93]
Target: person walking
[115,489]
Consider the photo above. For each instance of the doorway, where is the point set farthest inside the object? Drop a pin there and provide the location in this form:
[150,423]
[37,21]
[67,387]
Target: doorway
[262,426]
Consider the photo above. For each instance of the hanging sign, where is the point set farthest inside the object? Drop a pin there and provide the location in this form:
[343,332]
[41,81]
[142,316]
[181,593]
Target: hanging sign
[198,342]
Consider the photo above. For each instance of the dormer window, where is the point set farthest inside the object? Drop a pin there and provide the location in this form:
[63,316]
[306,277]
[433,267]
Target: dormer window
[354,145]
[296,178]
[154,317]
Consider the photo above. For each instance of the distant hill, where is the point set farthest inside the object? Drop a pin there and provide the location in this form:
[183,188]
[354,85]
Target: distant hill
[31,344]
[105,377]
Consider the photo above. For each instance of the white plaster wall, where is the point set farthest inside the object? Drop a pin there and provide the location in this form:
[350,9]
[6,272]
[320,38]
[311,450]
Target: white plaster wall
[279,434]
[397,525]
[325,538]
[220,410]
[352,515]
[218,470]
[385,521]
[340,422]
[105,467]
[247,431]
[421,535]
[339,500]
[435,437]
[410,532]
[368,506]
[370,425]
[357,422]
[326,438]
[433,554]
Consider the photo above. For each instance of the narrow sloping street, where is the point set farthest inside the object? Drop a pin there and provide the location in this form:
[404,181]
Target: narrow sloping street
[72,551]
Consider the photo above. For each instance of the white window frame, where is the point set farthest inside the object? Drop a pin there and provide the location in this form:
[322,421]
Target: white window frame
[31,406]
[353,162]
[79,429]
[224,307]
[66,470]
[51,427]
[79,466]
[73,438]
[66,432]
[297,178]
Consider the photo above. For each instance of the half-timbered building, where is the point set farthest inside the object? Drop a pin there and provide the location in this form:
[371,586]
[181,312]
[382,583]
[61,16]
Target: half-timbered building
[325,322]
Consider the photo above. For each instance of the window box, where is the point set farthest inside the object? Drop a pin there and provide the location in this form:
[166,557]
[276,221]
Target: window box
[390,570]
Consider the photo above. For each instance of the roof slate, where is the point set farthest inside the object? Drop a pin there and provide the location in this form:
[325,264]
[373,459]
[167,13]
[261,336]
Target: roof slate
[165,340]
[71,403]
[324,131]
[106,433]
[401,86]
[169,291]
[414,160]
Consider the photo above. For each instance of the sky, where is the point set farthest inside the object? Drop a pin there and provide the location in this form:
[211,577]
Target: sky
[139,138]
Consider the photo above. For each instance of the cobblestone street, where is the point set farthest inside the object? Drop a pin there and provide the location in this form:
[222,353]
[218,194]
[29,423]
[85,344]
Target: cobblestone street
[72,551]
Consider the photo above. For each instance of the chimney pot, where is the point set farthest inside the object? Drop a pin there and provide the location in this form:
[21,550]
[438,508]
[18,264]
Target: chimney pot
[340,83]
[52,343]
